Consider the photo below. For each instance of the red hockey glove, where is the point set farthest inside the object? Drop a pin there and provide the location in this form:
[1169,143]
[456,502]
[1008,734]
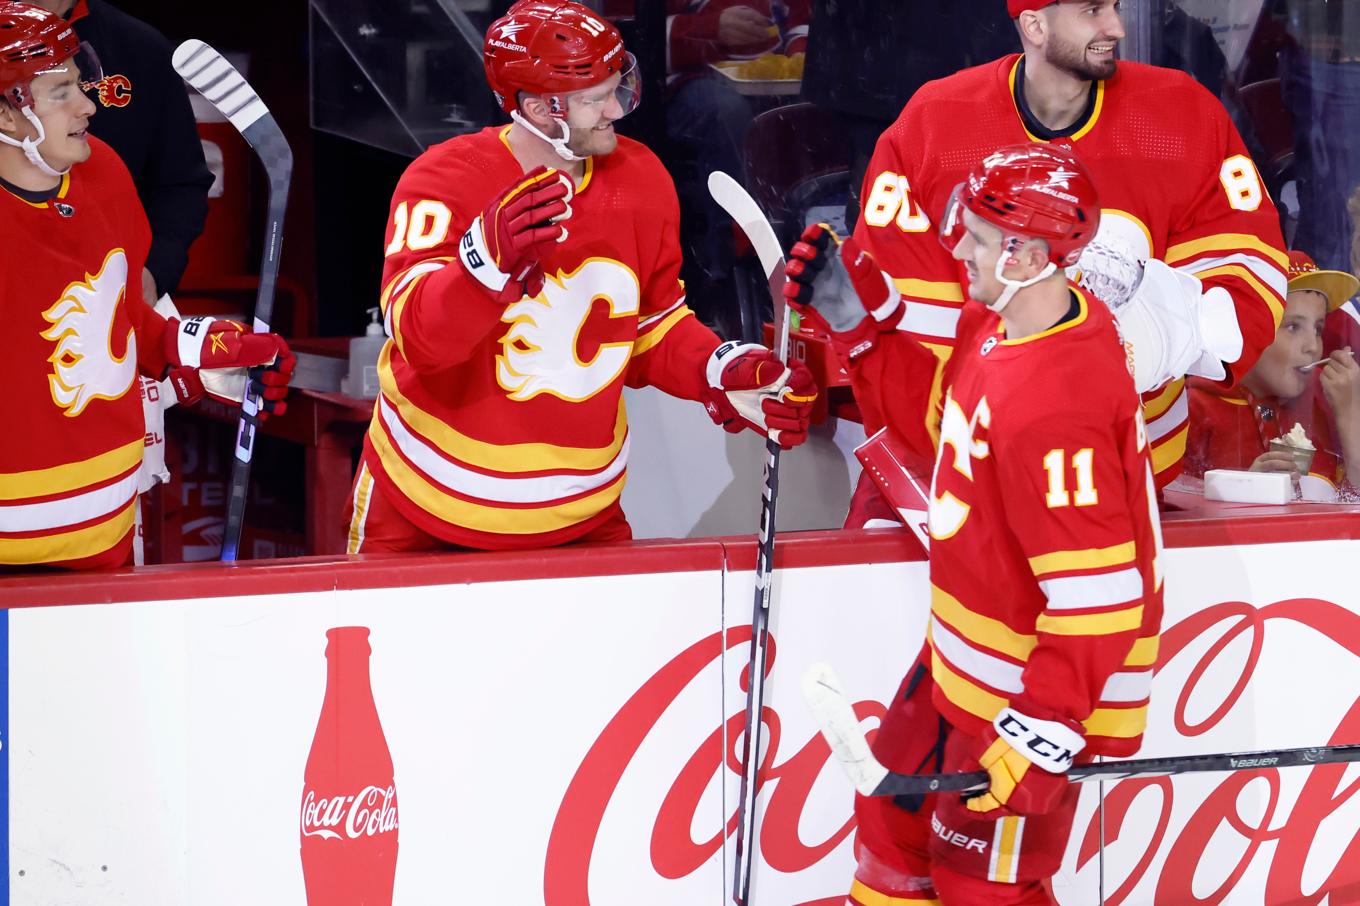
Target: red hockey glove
[750,388]
[839,287]
[186,385]
[220,355]
[502,247]
[1027,760]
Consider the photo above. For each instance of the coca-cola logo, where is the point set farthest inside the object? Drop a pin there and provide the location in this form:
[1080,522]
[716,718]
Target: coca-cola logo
[674,852]
[1287,840]
[372,812]
[1305,852]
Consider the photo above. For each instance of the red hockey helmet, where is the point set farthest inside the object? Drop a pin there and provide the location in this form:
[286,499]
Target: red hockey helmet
[33,43]
[1031,191]
[1016,7]
[551,47]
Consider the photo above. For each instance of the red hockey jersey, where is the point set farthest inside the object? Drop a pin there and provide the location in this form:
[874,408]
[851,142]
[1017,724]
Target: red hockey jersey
[77,335]
[1230,428]
[1046,592]
[504,426]
[1174,181]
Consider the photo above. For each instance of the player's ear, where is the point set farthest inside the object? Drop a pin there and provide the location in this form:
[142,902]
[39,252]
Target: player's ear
[1032,26]
[535,109]
[9,118]
[1034,256]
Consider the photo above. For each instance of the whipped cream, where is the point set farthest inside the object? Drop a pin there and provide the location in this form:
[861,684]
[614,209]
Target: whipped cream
[1297,437]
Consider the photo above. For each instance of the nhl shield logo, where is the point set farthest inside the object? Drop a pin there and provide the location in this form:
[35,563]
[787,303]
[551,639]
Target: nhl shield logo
[64,209]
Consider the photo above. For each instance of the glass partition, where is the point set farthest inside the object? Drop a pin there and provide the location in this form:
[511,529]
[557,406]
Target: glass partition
[790,97]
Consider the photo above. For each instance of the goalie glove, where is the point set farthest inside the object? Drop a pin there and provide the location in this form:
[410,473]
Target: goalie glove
[502,247]
[838,287]
[1027,760]
[1174,327]
[220,356]
[748,387]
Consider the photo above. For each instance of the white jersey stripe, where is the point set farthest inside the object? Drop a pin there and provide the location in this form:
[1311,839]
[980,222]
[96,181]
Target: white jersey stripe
[1171,420]
[1100,590]
[543,489]
[1264,271]
[990,669]
[54,514]
[652,319]
[1125,688]
[930,320]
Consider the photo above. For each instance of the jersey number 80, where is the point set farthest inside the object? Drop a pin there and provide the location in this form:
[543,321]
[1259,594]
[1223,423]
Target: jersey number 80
[890,200]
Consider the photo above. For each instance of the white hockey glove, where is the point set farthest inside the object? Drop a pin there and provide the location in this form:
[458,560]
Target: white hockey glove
[748,387]
[1173,325]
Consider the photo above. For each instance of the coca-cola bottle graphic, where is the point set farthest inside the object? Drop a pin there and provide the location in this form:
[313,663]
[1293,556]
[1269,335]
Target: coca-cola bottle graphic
[349,799]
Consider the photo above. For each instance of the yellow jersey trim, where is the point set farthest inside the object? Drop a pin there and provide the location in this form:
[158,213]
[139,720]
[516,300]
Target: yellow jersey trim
[1244,273]
[498,458]
[1170,450]
[1075,136]
[1095,114]
[73,545]
[657,333]
[1144,653]
[1136,221]
[1225,242]
[867,896]
[935,403]
[1118,621]
[1091,558]
[73,476]
[963,693]
[1056,328]
[984,630]
[62,189]
[489,519]
[1163,401]
[1116,723]
[936,291]
[504,136]
[363,496]
[1007,853]
[585,180]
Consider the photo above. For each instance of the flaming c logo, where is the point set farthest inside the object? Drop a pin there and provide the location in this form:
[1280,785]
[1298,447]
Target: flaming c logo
[542,352]
[84,365]
[115,91]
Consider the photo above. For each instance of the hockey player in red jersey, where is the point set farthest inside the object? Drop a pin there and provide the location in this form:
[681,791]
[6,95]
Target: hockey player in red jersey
[532,272]
[1045,586]
[1187,220]
[77,332]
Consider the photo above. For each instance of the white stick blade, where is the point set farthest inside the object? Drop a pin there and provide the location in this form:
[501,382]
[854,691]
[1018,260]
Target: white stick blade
[836,719]
[741,207]
[217,80]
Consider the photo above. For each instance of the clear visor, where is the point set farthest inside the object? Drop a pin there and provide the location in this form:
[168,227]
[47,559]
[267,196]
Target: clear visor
[64,81]
[951,227]
[628,93]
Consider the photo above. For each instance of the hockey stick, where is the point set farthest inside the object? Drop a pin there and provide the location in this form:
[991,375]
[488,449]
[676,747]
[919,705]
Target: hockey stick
[218,81]
[836,719]
[742,208]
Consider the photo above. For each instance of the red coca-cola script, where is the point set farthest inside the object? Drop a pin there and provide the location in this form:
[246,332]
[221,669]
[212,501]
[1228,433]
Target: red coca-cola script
[1286,840]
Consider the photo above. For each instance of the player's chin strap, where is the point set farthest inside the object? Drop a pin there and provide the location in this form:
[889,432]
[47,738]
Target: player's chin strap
[558,144]
[1014,286]
[30,146]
